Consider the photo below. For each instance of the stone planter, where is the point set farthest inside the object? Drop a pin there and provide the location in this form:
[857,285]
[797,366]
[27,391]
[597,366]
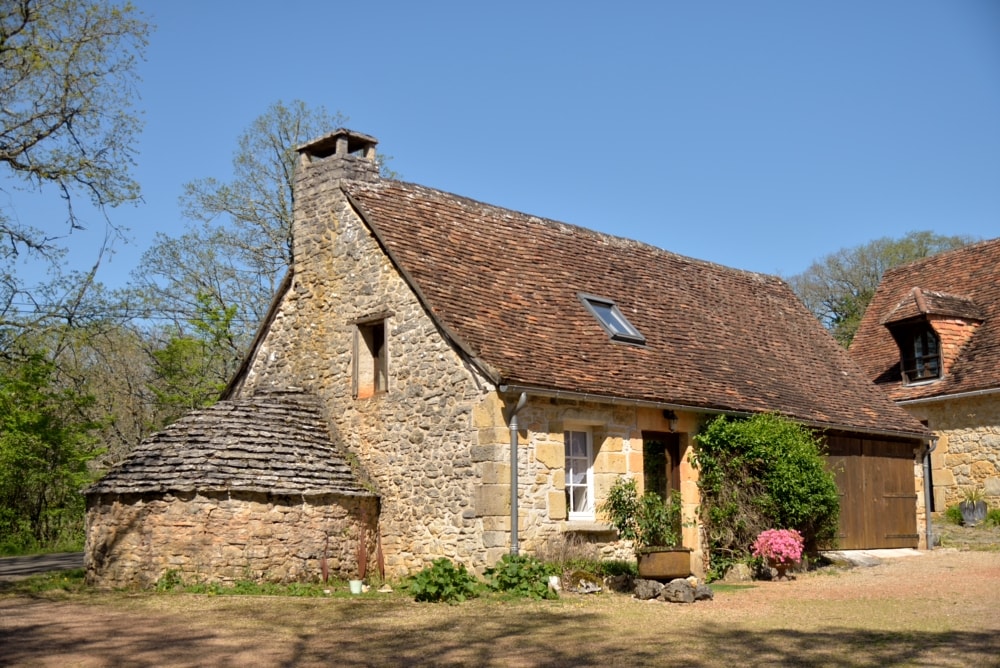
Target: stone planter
[781,567]
[665,563]
[973,512]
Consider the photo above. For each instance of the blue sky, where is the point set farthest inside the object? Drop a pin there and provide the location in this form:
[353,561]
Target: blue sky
[760,135]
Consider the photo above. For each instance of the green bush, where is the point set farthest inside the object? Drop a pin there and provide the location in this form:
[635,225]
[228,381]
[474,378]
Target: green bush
[993,518]
[617,567]
[953,515]
[648,520]
[521,575]
[763,472]
[442,581]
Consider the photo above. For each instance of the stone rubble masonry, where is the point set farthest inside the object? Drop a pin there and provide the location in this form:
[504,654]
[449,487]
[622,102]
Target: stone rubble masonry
[968,448]
[415,441]
[137,539]
[435,444]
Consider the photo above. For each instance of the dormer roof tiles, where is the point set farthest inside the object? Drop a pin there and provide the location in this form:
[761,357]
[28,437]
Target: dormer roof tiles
[963,284]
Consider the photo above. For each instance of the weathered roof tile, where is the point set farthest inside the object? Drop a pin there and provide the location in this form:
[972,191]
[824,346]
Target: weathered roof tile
[963,283]
[274,442]
[505,286]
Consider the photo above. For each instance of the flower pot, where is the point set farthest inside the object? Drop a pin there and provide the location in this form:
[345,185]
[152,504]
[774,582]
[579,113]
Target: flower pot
[782,568]
[665,563]
[973,512]
[356,586]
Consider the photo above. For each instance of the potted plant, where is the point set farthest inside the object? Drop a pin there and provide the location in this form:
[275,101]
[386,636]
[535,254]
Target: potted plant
[781,548]
[653,525]
[973,506]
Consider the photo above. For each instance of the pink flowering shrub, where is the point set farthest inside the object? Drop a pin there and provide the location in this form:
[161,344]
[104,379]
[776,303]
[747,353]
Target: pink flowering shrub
[781,546]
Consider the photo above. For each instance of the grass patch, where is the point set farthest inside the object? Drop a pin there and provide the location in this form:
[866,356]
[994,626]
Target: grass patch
[71,581]
[719,587]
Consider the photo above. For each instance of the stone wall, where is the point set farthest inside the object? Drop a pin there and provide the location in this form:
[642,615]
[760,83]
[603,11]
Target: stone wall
[968,447]
[134,540]
[434,442]
[543,523]
[414,440]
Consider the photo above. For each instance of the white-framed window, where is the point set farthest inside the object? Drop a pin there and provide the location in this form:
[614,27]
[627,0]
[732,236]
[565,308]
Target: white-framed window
[579,475]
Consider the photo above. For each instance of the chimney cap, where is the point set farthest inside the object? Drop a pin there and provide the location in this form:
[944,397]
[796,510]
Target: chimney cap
[326,145]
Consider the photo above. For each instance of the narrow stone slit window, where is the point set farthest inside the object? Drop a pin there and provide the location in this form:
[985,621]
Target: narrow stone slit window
[371,360]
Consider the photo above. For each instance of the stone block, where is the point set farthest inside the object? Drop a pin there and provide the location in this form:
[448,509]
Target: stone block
[496,436]
[611,462]
[495,473]
[943,478]
[493,500]
[992,486]
[486,453]
[498,523]
[613,444]
[550,455]
[982,469]
[496,539]
[488,412]
[557,505]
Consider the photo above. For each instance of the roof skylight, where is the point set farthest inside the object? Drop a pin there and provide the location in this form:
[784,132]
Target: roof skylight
[612,319]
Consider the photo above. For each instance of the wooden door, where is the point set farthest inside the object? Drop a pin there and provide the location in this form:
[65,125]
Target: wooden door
[877,492]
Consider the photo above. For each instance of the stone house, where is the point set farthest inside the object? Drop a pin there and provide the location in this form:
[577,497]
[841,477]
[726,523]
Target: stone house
[461,352]
[930,339]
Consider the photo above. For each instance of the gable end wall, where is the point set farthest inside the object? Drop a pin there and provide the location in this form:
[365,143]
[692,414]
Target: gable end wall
[415,442]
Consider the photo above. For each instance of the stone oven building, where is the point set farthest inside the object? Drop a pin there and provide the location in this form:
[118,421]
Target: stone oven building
[931,340]
[438,334]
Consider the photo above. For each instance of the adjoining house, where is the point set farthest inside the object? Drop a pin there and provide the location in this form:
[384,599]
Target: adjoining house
[930,340]
[440,336]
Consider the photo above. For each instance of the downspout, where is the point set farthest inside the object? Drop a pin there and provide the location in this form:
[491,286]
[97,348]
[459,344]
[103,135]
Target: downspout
[523,399]
[928,492]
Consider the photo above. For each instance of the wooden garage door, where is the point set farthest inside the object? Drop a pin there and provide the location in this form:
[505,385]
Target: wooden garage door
[877,492]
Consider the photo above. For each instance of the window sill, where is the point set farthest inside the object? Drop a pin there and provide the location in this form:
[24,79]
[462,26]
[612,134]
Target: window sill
[583,526]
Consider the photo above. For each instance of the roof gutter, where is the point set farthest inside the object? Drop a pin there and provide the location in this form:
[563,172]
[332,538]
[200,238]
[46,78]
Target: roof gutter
[948,397]
[662,405]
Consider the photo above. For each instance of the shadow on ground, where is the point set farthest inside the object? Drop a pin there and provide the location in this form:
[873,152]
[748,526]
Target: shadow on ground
[347,635]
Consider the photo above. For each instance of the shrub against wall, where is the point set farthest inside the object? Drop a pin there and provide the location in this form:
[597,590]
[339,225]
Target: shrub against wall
[763,472]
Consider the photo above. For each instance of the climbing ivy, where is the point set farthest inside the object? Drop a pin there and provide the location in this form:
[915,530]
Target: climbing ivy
[758,473]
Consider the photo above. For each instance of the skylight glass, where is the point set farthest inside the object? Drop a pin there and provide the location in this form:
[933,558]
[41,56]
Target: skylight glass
[612,319]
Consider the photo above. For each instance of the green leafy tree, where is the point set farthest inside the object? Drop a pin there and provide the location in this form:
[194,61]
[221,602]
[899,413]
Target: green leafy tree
[192,369]
[839,287]
[44,450]
[763,472]
[67,119]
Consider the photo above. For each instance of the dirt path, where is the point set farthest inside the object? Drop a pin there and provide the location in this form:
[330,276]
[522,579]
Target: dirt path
[937,609]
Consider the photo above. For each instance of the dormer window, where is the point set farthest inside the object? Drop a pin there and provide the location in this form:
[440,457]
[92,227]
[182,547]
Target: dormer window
[612,319]
[920,353]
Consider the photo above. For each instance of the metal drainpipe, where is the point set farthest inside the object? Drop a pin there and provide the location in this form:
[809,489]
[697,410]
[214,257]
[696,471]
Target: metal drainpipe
[928,492]
[523,399]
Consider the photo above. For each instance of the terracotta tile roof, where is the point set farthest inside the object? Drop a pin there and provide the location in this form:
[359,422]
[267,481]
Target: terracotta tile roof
[505,286]
[275,442]
[961,283]
[919,302]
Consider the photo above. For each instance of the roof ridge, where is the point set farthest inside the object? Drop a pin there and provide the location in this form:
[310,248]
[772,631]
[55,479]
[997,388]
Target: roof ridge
[552,222]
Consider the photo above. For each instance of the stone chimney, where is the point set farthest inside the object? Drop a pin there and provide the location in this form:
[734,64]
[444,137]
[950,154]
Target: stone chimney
[341,154]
